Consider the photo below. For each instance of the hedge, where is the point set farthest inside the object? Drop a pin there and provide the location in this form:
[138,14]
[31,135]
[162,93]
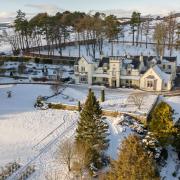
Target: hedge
[35,59]
[63,107]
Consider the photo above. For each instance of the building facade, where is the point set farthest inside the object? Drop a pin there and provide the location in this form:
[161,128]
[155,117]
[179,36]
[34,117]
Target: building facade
[147,73]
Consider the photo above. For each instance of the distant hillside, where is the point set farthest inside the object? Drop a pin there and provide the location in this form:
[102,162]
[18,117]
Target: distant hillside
[116,12]
[126,14]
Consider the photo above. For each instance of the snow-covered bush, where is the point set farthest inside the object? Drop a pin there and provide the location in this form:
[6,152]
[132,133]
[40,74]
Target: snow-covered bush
[40,103]
[152,145]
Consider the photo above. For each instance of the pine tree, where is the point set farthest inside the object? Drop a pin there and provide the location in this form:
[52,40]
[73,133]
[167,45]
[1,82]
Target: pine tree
[161,123]
[133,162]
[92,130]
[135,22]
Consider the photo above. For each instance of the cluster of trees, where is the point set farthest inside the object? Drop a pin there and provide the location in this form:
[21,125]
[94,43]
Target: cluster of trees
[55,30]
[133,160]
[166,33]
[87,153]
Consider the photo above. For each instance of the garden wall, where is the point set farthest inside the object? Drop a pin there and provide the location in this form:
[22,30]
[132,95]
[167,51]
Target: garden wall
[141,118]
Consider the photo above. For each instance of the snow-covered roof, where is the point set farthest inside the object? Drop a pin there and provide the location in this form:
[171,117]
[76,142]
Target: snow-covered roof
[89,59]
[166,77]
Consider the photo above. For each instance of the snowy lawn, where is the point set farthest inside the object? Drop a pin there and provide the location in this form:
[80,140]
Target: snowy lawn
[23,97]
[21,132]
[115,99]
[27,134]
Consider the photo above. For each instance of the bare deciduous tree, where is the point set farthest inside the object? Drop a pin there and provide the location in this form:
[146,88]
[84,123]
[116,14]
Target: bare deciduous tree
[171,24]
[79,164]
[137,99]
[56,87]
[160,36]
[66,153]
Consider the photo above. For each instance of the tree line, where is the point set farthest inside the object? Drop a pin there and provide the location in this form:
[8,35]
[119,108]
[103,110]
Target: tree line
[55,31]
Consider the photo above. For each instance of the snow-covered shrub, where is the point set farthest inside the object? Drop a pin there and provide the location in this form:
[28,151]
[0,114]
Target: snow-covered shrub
[152,145]
[39,102]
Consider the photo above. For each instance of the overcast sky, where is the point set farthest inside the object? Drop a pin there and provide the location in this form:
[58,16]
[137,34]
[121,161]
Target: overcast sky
[8,8]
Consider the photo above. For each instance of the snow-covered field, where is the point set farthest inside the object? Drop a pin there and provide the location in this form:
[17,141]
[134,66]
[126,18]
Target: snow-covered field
[25,133]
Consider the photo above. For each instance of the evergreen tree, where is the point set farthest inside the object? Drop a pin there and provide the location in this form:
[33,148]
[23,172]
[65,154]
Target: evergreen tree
[135,22]
[21,27]
[102,95]
[133,162]
[161,123]
[92,130]
[79,106]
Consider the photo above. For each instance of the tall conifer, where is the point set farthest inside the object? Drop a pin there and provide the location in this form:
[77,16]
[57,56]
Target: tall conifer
[92,130]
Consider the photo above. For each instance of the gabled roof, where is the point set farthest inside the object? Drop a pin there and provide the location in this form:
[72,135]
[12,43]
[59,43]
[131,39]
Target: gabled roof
[164,76]
[161,73]
[88,59]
